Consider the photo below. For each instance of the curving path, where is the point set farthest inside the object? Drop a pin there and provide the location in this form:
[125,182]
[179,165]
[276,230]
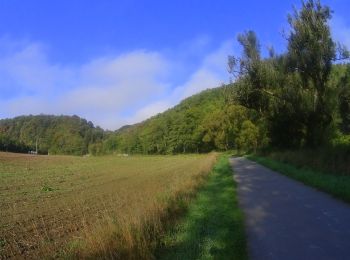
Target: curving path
[286,219]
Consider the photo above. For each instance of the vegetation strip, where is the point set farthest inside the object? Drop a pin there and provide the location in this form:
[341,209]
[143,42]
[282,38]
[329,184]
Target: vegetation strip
[338,186]
[213,227]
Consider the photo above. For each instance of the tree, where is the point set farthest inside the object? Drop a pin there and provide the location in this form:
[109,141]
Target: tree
[251,73]
[344,100]
[248,137]
[223,125]
[292,91]
[311,51]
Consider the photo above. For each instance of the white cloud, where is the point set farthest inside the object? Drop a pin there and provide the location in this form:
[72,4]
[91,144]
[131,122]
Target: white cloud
[104,86]
[27,70]
[110,91]
[149,110]
[200,80]
[111,85]
[211,73]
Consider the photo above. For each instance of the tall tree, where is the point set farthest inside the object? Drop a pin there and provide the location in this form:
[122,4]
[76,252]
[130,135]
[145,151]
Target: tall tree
[250,73]
[344,100]
[311,52]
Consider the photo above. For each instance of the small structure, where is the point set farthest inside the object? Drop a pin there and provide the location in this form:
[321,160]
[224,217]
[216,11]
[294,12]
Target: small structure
[36,148]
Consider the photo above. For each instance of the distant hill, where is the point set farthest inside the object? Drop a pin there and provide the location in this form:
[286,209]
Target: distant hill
[124,128]
[199,123]
[208,100]
[53,134]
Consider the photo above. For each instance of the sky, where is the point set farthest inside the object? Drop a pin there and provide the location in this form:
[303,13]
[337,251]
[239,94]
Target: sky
[120,62]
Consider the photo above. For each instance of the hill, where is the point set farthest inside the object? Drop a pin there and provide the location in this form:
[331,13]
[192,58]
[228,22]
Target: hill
[200,123]
[53,134]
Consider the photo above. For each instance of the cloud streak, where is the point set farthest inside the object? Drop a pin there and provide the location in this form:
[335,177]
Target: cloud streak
[110,91]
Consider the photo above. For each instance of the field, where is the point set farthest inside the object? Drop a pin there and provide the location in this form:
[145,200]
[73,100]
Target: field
[108,206]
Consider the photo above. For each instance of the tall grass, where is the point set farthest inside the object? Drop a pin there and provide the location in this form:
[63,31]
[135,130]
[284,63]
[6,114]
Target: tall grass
[332,159]
[96,207]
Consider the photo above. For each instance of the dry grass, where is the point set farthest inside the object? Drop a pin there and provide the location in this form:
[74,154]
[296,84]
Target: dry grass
[89,207]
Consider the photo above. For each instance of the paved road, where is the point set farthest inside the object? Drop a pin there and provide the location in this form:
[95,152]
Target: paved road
[288,220]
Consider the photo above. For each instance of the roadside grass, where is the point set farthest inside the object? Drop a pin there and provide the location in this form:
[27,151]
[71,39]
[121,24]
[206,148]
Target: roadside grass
[336,185]
[328,159]
[213,226]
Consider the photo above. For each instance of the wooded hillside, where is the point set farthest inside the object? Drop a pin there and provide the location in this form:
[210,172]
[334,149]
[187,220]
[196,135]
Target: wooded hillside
[53,134]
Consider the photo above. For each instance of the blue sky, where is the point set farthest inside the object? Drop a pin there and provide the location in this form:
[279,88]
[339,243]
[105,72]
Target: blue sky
[119,62]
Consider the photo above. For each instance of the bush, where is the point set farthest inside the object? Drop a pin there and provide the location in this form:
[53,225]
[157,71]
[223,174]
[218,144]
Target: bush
[333,158]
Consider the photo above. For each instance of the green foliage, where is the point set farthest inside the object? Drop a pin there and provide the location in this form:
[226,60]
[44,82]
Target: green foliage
[248,137]
[300,94]
[202,123]
[96,148]
[251,72]
[343,85]
[221,127]
[310,47]
[53,134]
[332,159]
[178,130]
[8,144]
[47,188]
[311,51]
[2,243]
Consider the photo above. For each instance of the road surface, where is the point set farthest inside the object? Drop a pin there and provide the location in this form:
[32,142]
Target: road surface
[286,219]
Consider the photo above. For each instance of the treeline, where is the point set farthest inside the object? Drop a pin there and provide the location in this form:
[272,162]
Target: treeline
[51,134]
[303,95]
[201,123]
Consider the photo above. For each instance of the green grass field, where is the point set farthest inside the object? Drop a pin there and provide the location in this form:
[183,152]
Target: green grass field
[93,207]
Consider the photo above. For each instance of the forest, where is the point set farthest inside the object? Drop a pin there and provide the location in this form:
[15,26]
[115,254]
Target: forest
[50,134]
[298,99]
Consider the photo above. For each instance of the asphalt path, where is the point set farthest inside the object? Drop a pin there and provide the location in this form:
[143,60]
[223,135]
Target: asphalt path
[286,219]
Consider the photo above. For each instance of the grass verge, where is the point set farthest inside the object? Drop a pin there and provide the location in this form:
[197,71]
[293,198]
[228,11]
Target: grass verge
[213,226]
[338,186]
